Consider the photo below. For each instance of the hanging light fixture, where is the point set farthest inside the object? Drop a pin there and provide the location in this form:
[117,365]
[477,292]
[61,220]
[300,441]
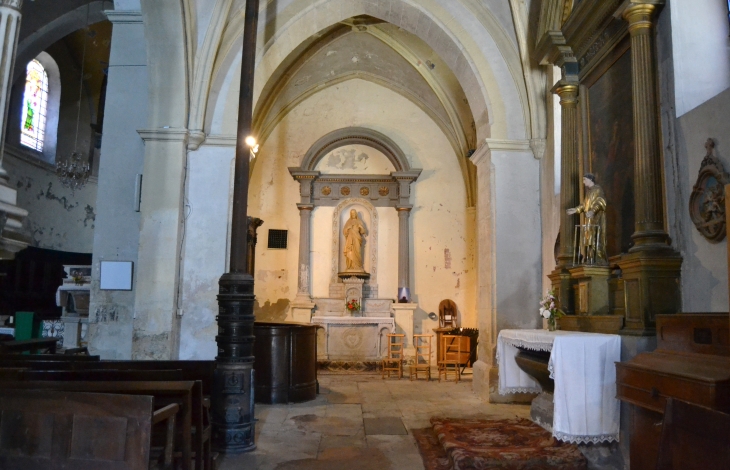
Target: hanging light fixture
[73,172]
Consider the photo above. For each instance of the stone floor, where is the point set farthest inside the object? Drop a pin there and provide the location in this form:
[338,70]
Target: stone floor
[358,422]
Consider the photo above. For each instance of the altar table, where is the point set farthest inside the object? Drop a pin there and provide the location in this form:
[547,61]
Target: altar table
[583,366]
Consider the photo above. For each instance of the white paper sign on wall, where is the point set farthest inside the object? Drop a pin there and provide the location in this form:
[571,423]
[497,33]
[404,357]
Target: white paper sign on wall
[116,275]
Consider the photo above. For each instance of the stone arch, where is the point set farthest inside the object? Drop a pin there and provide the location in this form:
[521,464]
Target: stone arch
[507,112]
[355,136]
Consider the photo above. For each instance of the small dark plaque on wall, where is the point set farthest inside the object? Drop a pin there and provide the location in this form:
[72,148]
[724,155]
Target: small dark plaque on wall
[277,239]
[707,201]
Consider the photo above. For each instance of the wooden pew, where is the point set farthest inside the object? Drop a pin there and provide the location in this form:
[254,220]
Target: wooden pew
[201,371]
[164,393]
[96,375]
[50,430]
[32,345]
[46,357]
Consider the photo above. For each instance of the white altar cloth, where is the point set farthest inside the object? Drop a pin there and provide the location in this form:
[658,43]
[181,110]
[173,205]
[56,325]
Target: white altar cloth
[583,366]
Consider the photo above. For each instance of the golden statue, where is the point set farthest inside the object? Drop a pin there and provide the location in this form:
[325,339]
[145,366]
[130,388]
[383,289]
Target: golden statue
[593,233]
[354,231]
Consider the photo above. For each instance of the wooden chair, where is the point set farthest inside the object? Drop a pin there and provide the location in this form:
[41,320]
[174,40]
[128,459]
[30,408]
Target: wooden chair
[422,361]
[450,357]
[448,314]
[393,362]
[693,438]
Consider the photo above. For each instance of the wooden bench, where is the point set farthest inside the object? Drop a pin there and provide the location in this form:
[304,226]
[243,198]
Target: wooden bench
[199,371]
[46,357]
[52,430]
[32,345]
[164,393]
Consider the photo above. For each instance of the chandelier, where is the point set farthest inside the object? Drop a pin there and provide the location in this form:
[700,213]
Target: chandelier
[72,172]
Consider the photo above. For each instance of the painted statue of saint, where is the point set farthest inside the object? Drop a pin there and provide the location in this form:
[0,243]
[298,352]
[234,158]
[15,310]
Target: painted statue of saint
[354,231]
[593,242]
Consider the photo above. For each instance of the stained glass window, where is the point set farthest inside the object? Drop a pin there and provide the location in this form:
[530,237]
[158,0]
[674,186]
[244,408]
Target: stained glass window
[35,101]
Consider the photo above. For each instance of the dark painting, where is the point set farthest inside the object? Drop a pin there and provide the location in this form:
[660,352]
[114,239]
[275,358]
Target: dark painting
[611,150]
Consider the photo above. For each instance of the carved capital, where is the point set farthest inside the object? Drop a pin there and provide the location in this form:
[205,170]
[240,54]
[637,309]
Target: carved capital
[15,4]
[640,18]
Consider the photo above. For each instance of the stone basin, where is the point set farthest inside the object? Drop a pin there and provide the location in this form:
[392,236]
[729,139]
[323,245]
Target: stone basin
[535,364]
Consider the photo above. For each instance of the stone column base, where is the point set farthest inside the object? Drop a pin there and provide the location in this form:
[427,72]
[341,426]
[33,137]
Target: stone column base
[486,385]
[403,314]
[301,310]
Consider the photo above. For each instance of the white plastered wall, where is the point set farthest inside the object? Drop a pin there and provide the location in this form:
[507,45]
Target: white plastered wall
[701,49]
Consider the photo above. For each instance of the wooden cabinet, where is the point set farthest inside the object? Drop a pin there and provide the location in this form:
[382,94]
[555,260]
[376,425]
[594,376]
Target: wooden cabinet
[677,369]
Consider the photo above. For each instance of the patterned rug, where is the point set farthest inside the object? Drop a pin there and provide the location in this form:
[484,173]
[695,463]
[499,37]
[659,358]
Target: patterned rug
[432,452]
[515,444]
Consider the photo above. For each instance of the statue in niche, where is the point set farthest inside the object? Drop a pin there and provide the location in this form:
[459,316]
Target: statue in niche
[593,232]
[353,232]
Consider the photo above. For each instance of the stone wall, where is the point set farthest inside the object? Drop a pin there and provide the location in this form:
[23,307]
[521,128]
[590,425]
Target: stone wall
[686,125]
[58,218]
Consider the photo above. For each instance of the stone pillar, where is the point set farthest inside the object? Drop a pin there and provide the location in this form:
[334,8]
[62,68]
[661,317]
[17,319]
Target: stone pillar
[569,191]
[302,305]
[117,235]
[404,247]
[648,198]
[9,29]
[651,270]
[508,250]
[12,234]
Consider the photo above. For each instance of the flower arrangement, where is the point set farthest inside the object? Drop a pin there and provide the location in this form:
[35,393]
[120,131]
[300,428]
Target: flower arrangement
[78,278]
[549,309]
[353,305]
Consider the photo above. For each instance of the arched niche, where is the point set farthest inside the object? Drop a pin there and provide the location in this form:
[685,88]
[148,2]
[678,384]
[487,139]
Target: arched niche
[369,217]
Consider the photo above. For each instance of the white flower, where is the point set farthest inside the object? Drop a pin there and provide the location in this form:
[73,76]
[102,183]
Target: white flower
[545,313]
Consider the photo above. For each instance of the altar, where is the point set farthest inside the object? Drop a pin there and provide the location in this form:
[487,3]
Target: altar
[583,367]
[349,288]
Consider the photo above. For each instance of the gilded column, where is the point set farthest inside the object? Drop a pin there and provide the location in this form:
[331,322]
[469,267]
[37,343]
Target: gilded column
[569,177]
[305,236]
[649,227]
[651,271]
[9,29]
[404,214]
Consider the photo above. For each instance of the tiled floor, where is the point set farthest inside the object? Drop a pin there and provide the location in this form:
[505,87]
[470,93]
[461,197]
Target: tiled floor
[357,422]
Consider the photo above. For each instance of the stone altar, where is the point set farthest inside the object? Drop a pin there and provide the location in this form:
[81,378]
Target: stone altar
[352,338]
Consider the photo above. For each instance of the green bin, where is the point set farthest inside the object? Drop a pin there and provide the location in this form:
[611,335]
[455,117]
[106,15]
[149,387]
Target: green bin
[26,327]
